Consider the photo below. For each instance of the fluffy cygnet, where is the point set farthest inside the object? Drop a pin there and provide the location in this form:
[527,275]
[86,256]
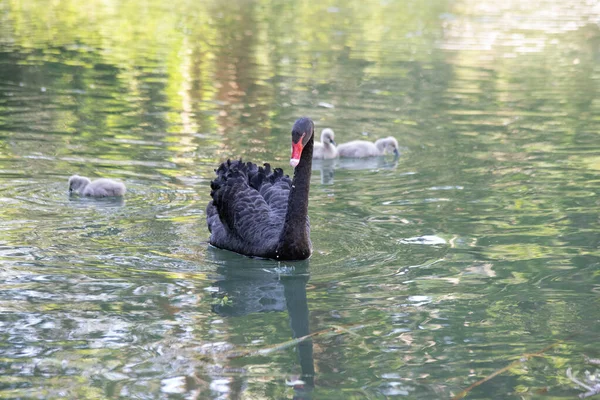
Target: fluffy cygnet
[363,148]
[98,188]
[325,149]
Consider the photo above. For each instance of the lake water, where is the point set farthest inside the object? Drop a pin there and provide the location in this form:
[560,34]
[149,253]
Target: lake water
[477,247]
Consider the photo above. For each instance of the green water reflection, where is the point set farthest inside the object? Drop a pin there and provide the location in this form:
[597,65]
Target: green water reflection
[479,245]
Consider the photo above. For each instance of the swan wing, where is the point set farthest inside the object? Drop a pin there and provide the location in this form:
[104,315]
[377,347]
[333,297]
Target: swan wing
[274,187]
[246,202]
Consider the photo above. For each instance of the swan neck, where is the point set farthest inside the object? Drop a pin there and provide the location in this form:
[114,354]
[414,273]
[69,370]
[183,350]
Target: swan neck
[295,234]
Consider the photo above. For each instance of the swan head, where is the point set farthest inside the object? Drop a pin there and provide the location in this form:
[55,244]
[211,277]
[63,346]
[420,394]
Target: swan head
[388,144]
[77,183]
[302,132]
[327,136]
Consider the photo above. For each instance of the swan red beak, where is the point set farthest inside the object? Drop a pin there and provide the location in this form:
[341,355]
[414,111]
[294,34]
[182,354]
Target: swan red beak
[297,152]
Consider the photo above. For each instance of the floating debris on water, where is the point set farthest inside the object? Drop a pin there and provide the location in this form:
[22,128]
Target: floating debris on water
[425,240]
[325,105]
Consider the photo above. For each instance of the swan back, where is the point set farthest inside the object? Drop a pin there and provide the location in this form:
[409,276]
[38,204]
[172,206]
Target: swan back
[104,188]
[358,149]
[248,208]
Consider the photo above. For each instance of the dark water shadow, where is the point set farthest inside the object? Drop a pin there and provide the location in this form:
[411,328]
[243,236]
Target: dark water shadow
[259,286]
[327,168]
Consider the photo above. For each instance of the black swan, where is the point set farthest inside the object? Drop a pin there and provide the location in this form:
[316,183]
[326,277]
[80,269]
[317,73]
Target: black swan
[325,150]
[98,188]
[260,212]
[363,148]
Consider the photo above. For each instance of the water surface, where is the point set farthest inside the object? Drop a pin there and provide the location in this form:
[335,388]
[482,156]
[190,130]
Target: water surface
[477,246]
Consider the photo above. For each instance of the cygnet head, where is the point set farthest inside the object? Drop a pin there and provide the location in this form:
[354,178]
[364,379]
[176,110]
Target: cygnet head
[77,183]
[327,136]
[388,144]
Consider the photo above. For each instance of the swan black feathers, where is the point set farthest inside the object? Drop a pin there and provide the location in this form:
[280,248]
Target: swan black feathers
[260,211]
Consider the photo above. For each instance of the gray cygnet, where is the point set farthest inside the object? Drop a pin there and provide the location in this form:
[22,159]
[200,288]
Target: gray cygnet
[99,188]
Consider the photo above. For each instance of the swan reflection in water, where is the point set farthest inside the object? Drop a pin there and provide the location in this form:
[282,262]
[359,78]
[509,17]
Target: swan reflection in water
[98,202]
[258,286]
[327,167]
